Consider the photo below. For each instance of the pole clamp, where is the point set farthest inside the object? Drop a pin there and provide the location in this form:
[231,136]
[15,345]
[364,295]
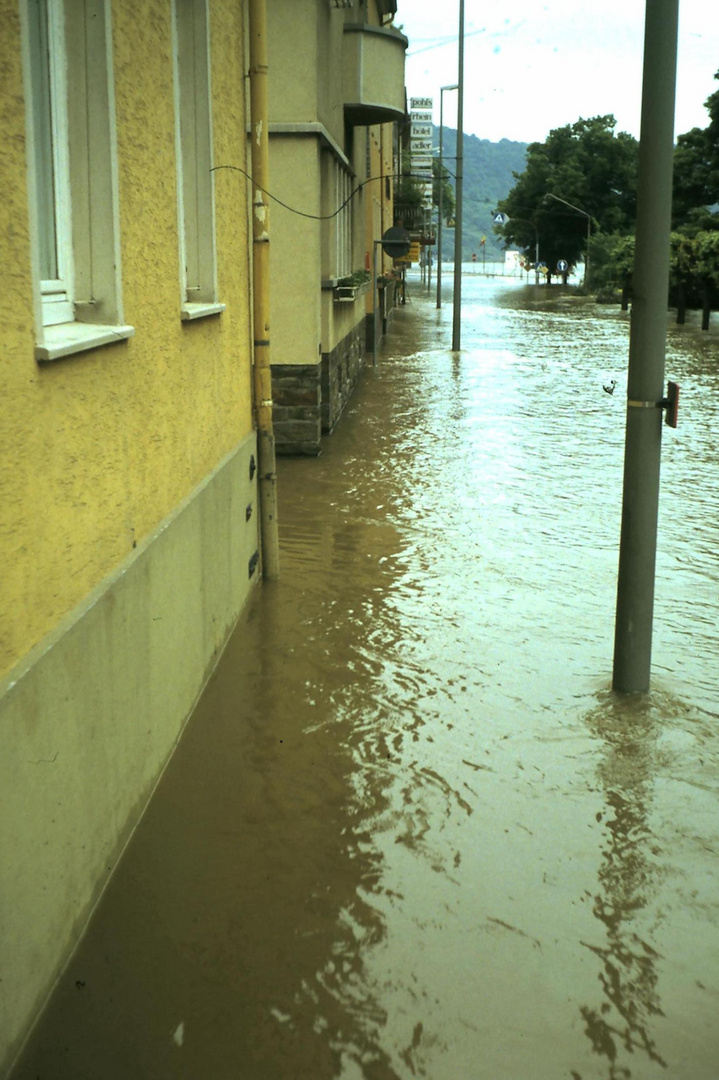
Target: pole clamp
[670,403]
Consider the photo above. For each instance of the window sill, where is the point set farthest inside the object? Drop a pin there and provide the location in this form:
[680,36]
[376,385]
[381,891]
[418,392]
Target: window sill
[64,339]
[200,311]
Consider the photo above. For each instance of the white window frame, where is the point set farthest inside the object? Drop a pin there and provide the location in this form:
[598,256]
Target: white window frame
[82,307]
[195,179]
[55,291]
[337,233]
[343,232]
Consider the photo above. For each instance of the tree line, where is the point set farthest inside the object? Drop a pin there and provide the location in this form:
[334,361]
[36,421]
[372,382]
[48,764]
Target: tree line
[577,197]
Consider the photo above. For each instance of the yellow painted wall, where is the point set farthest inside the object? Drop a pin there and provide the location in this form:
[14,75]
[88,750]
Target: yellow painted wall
[329,72]
[125,548]
[379,207]
[295,251]
[98,448]
[292,60]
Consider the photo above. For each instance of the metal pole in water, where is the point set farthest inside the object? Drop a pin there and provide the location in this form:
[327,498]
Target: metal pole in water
[375,305]
[457,309]
[645,390]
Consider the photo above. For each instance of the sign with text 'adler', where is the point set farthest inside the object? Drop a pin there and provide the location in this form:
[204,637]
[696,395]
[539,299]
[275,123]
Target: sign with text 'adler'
[421,146]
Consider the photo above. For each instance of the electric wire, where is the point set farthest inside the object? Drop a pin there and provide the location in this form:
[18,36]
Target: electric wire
[340,208]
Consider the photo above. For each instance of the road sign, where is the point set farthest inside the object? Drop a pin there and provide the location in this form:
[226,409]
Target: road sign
[562,266]
[500,219]
[396,242]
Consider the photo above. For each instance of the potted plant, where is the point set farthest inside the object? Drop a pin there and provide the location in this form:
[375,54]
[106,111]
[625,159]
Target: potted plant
[348,288]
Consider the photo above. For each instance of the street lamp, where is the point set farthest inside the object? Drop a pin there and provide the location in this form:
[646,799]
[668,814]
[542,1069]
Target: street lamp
[589,224]
[454,86]
[459,184]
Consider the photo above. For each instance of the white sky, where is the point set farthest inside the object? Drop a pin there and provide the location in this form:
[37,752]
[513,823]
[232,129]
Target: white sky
[534,65]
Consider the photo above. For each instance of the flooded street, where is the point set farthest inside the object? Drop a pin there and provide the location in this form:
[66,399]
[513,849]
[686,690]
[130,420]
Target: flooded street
[410,831]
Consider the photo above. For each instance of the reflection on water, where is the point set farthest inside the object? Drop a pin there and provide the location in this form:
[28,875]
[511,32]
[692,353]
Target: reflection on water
[410,832]
[629,976]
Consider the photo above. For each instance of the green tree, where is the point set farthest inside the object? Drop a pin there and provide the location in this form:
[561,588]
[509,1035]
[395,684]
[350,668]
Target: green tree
[696,173]
[586,163]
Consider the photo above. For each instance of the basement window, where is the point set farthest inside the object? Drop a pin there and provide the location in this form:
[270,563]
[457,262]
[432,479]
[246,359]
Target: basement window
[72,179]
[195,192]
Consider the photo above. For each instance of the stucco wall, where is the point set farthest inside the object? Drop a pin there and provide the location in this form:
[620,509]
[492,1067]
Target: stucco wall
[125,541]
[99,448]
[292,58]
[295,265]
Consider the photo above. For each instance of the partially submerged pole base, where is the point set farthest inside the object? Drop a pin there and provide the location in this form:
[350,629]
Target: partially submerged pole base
[267,491]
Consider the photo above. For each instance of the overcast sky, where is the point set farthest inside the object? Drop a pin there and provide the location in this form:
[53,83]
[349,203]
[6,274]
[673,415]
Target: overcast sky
[534,65]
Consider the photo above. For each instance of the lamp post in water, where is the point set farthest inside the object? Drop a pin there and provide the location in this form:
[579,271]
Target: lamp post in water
[457,301]
[454,86]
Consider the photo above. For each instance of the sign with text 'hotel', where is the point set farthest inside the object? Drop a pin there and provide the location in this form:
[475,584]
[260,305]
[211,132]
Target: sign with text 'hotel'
[421,146]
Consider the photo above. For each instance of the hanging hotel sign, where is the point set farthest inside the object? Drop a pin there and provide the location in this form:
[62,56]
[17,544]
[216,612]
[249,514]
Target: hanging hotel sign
[421,102]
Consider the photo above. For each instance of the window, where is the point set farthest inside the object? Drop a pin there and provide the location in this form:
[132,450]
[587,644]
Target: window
[50,162]
[337,233]
[72,175]
[198,271]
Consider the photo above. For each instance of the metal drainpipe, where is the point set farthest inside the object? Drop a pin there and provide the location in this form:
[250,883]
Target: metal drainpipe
[262,374]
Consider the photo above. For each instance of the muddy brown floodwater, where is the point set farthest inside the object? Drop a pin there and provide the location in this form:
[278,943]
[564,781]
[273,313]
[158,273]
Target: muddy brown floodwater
[410,831]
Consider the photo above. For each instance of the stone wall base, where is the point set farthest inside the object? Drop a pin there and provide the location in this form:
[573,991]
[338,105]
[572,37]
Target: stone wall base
[296,396]
[340,370]
[309,398]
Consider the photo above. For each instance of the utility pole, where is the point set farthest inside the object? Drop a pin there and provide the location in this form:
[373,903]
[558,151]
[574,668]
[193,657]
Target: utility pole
[647,345]
[457,303]
[262,373]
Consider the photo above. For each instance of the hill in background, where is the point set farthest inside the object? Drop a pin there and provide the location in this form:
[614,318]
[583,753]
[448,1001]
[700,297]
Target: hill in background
[488,169]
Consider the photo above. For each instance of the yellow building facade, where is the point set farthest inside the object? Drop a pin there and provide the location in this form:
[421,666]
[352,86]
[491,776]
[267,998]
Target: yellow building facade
[336,93]
[128,529]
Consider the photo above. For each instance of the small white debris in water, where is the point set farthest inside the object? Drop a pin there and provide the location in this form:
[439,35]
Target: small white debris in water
[284,1018]
[179,1037]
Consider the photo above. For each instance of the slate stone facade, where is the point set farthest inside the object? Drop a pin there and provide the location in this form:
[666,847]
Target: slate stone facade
[309,398]
[340,371]
[296,411]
